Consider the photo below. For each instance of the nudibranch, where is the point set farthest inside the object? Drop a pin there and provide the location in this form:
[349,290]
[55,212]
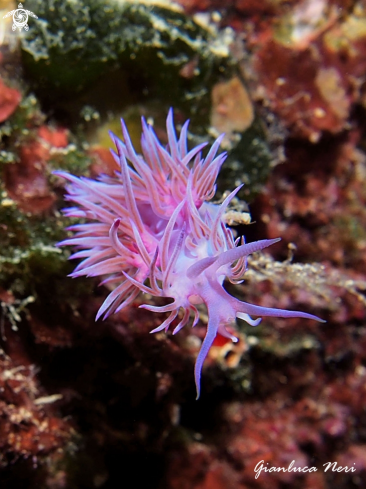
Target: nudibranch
[151,228]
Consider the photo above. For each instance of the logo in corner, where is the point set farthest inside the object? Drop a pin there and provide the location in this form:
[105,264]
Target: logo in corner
[20,18]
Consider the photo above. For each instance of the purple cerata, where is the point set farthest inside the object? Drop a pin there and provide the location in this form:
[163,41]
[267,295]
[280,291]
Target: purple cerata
[150,228]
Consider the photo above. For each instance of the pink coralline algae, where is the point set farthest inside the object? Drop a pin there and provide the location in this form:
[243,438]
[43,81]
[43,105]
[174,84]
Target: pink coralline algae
[152,229]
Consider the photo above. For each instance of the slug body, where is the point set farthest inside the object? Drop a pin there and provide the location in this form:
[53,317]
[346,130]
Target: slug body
[151,228]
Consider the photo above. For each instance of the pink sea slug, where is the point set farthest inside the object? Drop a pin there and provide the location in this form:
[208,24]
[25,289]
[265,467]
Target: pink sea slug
[150,228]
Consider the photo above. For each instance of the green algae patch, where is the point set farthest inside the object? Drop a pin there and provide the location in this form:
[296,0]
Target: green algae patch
[111,56]
[73,44]
[19,127]
[29,259]
[249,162]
